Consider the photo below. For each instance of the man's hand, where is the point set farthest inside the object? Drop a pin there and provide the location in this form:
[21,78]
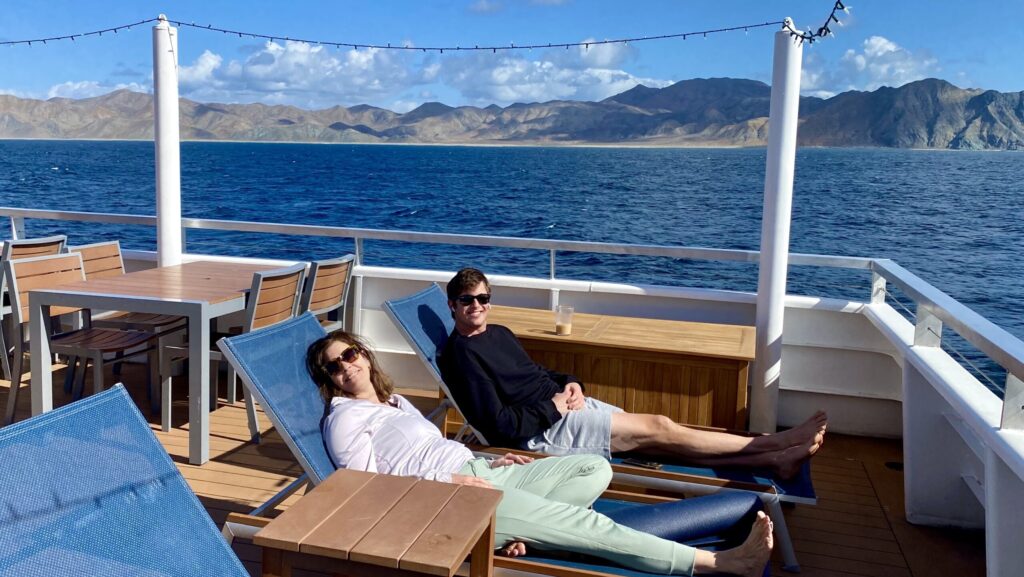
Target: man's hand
[510,459]
[561,401]
[576,398]
[471,481]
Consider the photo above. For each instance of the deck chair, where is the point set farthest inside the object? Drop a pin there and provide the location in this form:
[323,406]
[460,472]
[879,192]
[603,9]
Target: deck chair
[87,489]
[89,343]
[425,321]
[274,297]
[271,362]
[15,249]
[104,260]
[326,291]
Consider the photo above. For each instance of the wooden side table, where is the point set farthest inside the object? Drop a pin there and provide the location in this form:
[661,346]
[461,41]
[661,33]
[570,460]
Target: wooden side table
[365,524]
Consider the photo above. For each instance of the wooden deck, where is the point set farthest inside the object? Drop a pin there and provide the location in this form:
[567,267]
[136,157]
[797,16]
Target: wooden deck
[856,530]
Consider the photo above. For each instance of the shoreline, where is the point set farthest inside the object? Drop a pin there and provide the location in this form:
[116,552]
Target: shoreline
[531,144]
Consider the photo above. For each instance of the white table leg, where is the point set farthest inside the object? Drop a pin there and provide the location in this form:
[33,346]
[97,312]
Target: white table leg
[42,358]
[199,386]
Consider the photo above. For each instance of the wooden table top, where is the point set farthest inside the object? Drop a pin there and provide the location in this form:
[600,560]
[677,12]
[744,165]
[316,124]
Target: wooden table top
[383,520]
[656,335]
[208,281]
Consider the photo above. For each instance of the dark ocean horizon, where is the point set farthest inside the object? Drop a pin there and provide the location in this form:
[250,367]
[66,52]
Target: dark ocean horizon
[951,217]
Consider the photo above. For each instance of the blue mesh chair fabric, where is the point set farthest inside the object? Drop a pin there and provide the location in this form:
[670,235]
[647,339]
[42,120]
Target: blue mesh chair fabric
[425,321]
[271,361]
[87,489]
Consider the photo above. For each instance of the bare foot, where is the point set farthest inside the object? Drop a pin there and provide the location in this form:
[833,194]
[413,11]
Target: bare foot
[788,461]
[812,429]
[513,549]
[747,560]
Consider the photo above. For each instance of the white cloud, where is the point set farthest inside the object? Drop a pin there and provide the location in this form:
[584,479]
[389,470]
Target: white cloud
[90,88]
[576,74]
[298,73]
[880,62]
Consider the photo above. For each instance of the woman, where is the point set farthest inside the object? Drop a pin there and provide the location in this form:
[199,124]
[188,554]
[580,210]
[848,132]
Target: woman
[546,502]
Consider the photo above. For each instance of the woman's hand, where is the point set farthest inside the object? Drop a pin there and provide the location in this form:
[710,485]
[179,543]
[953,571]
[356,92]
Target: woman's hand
[471,481]
[510,459]
[513,549]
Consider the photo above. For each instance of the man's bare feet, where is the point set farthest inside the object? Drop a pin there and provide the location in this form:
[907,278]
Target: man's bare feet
[513,549]
[787,462]
[747,560]
[813,429]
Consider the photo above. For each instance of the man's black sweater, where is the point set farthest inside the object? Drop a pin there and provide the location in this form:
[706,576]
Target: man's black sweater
[500,390]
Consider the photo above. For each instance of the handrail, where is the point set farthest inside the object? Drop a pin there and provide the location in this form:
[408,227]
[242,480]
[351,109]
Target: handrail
[694,253]
[999,345]
[994,341]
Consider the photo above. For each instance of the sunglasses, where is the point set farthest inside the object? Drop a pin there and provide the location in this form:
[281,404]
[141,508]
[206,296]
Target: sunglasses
[466,300]
[349,355]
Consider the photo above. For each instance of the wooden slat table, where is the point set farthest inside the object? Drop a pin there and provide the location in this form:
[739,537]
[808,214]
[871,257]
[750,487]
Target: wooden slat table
[200,291]
[695,373]
[361,524]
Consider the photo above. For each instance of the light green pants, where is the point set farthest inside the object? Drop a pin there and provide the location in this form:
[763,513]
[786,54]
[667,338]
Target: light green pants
[546,505]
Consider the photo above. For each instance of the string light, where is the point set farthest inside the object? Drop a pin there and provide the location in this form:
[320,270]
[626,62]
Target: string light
[389,46]
[823,30]
[809,36]
[72,37]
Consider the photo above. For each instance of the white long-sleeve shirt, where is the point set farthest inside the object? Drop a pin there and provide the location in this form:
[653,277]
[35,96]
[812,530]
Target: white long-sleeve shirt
[392,438]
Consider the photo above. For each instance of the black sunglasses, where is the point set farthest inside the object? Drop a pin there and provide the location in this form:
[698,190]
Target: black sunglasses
[466,300]
[349,355]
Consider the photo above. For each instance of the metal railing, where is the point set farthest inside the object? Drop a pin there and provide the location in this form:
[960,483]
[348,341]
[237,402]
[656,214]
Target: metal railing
[934,307]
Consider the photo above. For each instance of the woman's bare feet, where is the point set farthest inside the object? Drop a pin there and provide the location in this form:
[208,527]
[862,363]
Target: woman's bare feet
[513,549]
[813,429]
[787,462]
[747,560]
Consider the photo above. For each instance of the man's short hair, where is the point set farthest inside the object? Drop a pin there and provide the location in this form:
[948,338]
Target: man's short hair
[465,280]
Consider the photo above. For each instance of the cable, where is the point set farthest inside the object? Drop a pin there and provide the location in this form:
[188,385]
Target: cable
[823,30]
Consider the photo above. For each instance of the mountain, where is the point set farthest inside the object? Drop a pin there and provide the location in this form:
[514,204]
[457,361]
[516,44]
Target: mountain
[929,113]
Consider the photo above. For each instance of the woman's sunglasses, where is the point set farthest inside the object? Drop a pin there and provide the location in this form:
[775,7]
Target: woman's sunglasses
[466,300]
[349,355]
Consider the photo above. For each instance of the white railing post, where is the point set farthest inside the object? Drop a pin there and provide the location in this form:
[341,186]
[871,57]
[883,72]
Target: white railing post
[168,144]
[778,204]
[17,227]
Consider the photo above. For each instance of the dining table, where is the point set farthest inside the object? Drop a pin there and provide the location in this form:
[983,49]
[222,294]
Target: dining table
[200,291]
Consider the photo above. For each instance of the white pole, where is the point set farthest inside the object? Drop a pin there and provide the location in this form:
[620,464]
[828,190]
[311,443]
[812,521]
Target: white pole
[168,144]
[778,204]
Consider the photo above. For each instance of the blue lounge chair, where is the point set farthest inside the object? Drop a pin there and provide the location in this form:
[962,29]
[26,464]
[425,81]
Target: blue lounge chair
[87,489]
[271,362]
[425,321]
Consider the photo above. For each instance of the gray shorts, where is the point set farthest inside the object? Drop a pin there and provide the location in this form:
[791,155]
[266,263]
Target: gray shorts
[586,431]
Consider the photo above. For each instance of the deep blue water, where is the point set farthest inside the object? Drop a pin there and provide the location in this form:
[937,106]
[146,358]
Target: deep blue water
[954,218]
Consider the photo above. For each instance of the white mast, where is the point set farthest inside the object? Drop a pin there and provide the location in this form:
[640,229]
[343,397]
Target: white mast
[168,144]
[778,204]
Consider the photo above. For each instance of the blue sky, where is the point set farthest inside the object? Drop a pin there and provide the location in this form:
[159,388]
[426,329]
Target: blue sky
[884,43]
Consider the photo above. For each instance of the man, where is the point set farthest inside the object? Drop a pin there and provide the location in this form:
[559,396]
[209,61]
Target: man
[515,402]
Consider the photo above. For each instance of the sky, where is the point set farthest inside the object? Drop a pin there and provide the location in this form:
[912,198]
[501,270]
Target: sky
[974,44]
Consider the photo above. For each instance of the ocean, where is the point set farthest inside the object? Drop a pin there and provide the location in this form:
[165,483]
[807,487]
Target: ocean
[953,218]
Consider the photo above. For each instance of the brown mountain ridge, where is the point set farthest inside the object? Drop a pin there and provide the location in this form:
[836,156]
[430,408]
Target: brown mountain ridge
[928,113]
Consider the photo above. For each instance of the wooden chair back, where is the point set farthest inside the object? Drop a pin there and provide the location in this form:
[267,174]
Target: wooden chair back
[274,296]
[27,274]
[101,259]
[327,287]
[30,247]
